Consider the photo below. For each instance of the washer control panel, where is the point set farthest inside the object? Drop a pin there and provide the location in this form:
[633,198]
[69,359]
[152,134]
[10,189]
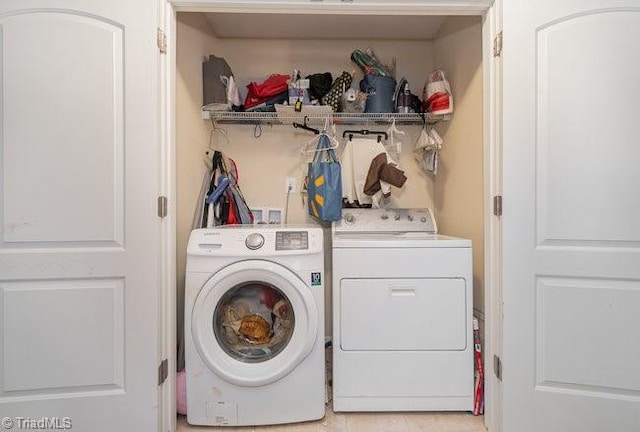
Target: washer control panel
[254,241]
[292,240]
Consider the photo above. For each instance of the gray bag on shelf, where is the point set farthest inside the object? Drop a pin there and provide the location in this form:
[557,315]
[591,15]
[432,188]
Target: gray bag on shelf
[215,76]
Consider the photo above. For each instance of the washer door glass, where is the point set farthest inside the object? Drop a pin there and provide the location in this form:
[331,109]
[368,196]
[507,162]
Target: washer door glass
[254,321]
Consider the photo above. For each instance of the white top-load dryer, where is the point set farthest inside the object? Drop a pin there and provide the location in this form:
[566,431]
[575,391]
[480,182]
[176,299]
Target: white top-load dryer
[402,314]
[254,325]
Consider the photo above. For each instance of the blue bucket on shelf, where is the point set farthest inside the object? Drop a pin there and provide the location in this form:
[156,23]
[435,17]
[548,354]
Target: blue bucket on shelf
[381,90]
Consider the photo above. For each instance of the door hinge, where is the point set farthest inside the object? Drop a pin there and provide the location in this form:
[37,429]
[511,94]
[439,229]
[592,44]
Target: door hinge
[497,45]
[162,41]
[162,206]
[497,205]
[163,371]
[497,367]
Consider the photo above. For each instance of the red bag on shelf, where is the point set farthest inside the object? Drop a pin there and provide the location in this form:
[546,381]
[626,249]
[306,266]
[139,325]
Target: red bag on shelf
[259,93]
[437,98]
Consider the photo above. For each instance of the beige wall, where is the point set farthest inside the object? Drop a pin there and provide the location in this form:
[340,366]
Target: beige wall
[458,188]
[193,44]
[264,162]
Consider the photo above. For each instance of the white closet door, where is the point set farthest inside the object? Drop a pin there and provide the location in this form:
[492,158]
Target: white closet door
[79,232]
[571,273]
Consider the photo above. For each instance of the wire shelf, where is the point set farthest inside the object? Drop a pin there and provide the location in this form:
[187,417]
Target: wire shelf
[318,118]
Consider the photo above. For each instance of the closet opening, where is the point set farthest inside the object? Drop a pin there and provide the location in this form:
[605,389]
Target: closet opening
[267,153]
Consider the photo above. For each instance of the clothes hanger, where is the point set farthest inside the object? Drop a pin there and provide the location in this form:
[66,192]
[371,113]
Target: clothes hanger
[328,121]
[335,143]
[393,128]
[307,147]
[351,133]
[305,126]
[215,128]
[394,145]
[326,124]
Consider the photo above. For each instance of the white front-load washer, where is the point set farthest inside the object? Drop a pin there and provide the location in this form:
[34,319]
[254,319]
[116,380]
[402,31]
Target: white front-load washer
[254,325]
[402,314]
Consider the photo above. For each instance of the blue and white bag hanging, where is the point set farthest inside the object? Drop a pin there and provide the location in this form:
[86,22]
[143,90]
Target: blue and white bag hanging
[325,183]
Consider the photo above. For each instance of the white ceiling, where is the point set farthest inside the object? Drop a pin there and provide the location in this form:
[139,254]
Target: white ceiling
[296,26]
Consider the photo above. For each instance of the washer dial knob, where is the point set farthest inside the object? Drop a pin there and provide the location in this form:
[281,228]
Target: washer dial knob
[254,241]
[349,218]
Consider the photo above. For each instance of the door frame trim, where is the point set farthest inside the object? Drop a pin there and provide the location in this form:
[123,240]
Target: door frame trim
[493,325]
[492,150]
[166,112]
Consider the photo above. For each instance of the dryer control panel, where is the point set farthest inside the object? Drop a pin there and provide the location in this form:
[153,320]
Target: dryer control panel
[386,220]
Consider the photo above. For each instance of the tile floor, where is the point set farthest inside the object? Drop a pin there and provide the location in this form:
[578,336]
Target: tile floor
[366,422]
[362,422]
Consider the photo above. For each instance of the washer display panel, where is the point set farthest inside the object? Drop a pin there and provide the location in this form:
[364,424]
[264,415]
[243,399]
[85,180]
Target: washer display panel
[253,321]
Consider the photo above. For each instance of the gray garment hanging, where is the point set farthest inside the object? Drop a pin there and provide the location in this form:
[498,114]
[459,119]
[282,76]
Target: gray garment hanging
[197,219]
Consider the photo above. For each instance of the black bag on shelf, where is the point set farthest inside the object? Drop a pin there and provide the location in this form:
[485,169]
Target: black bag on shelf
[319,85]
[339,86]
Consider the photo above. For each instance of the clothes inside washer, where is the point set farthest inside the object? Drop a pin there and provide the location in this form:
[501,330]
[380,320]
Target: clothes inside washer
[255,322]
